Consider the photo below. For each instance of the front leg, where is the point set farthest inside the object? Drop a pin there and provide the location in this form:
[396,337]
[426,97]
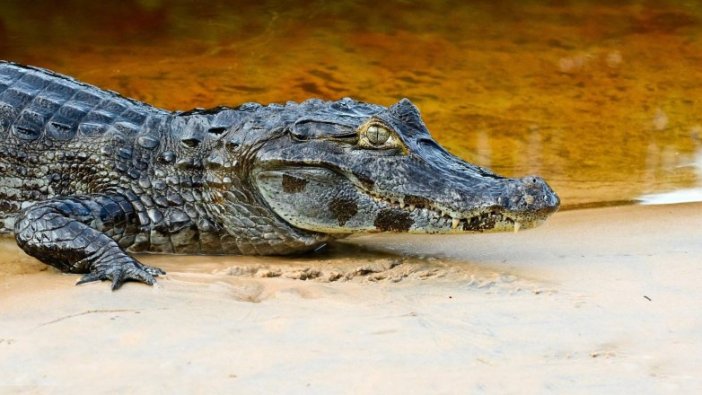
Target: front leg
[71,234]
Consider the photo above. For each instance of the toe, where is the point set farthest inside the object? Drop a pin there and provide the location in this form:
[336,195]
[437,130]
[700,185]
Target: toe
[142,276]
[117,279]
[154,271]
[88,278]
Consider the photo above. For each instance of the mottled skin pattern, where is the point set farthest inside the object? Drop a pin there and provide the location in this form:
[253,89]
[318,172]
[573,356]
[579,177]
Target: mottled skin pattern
[87,176]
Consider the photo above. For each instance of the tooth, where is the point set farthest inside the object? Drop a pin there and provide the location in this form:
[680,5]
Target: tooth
[455,222]
[517,225]
[411,206]
[402,203]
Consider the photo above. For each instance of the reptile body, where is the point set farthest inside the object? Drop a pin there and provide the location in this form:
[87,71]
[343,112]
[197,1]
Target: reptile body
[88,177]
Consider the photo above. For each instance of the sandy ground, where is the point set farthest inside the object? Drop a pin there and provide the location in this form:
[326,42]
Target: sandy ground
[596,301]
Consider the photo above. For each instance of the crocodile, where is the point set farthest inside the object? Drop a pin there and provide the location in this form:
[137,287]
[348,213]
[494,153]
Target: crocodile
[88,177]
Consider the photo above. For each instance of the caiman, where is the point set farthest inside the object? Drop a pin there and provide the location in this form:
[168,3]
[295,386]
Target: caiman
[88,176]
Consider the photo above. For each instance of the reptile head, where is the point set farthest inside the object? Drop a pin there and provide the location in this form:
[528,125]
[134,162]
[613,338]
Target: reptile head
[344,167]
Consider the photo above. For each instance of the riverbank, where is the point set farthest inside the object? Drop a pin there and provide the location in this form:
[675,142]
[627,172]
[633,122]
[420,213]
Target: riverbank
[595,301]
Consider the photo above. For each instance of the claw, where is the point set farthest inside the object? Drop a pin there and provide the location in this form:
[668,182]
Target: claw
[150,280]
[141,275]
[88,278]
[117,279]
[120,271]
[154,271]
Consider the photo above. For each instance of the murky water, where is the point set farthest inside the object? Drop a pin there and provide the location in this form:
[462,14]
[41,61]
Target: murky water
[603,101]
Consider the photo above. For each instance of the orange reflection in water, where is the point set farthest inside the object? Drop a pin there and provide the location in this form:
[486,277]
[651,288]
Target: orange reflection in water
[603,101]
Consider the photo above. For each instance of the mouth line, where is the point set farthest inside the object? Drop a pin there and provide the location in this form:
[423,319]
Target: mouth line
[481,219]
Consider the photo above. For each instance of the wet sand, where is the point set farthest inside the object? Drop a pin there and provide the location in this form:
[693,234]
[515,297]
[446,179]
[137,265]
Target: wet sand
[596,301]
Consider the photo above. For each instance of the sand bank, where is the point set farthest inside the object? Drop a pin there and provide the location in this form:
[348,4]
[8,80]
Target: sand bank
[595,301]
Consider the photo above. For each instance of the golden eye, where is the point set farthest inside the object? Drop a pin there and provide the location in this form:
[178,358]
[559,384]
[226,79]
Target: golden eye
[377,135]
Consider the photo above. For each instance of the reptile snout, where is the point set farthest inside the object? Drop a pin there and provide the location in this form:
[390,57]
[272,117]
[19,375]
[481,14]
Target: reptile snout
[530,194]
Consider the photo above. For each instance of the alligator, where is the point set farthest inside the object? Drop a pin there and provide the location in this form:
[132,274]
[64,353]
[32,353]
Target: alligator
[89,177]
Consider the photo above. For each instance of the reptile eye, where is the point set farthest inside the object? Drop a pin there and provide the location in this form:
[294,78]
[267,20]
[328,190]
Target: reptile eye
[374,134]
[378,135]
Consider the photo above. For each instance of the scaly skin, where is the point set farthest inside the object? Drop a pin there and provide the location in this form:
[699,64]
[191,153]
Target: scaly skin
[87,176]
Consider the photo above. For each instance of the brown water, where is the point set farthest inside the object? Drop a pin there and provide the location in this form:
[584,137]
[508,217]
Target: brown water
[603,101]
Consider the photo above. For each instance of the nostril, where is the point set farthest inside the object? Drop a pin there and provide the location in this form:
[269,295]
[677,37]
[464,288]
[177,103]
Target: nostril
[531,180]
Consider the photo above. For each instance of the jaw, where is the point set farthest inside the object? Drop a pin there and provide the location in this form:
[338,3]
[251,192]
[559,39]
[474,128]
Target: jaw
[431,218]
[321,200]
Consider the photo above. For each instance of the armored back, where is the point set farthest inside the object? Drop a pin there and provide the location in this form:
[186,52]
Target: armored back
[52,131]
[38,106]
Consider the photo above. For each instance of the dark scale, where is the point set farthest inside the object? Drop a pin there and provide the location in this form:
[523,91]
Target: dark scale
[88,176]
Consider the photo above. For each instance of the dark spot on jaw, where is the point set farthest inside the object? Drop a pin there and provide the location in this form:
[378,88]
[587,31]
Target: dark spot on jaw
[484,221]
[391,220]
[343,209]
[293,184]
[417,201]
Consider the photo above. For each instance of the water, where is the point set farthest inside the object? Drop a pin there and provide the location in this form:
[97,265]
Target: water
[602,101]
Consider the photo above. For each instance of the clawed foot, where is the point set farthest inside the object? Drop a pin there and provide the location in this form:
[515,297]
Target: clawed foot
[121,270]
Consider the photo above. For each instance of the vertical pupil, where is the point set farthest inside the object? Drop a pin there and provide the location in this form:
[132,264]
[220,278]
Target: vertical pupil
[375,135]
